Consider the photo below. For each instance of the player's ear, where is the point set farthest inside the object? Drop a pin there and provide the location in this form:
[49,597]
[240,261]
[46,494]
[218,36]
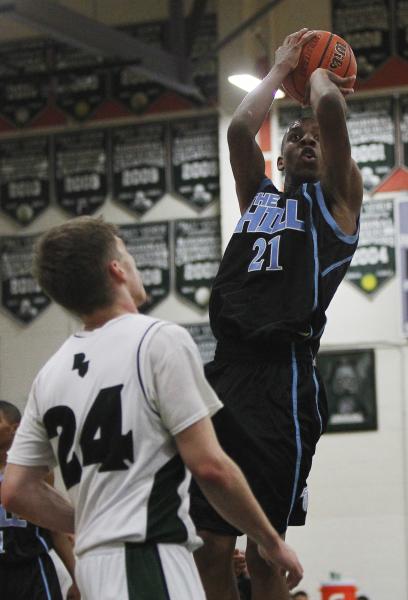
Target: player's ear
[116,270]
[280,164]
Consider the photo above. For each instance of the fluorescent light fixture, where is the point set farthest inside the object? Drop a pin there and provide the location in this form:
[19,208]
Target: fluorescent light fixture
[248,82]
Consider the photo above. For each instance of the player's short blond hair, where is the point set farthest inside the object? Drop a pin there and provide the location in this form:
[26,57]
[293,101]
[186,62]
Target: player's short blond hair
[71,263]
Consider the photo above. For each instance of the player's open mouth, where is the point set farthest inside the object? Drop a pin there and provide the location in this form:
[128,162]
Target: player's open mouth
[308,155]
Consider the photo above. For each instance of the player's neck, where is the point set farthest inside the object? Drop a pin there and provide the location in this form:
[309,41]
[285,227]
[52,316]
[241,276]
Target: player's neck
[100,317]
[291,185]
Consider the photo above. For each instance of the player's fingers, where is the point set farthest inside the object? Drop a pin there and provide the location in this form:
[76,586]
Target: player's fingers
[293,577]
[294,36]
[309,35]
[349,79]
[301,32]
[342,81]
[346,91]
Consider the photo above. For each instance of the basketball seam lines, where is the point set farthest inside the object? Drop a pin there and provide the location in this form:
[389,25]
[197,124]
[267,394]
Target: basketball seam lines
[325,50]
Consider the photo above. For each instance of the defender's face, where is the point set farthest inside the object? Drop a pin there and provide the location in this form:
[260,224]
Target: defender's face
[134,279]
[301,156]
[7,431]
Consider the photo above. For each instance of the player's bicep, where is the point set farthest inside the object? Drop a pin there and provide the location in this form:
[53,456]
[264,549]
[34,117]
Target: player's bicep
[31,445]
[19,478]
[247,163]
[199,448]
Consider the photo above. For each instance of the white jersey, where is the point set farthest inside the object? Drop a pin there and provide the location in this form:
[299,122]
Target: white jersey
[105,408]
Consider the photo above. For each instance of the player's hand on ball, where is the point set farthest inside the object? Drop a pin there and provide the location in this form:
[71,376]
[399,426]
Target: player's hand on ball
[345,84]
[289,53]
[285,558]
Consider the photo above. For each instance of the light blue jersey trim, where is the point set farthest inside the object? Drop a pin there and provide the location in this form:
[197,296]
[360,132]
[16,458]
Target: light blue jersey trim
[337,264]
[347,239]
[320,333]
[297,429]
[42,540]
[315,249]
[44,578]
[317,399]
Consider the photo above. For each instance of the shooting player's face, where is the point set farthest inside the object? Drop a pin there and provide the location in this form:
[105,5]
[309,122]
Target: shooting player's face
[301,151]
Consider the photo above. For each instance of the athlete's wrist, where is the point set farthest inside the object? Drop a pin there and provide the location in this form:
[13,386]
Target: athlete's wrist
[279,71]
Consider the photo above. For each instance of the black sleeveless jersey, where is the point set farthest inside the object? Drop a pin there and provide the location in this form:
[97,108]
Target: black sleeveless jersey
[20,540]
[280,270]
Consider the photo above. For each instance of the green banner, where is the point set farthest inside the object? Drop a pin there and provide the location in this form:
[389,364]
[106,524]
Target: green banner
[372,136]
[374,261]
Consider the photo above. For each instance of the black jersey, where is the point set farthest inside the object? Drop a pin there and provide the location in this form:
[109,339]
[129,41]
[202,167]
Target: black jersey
[281,268]
[20,540]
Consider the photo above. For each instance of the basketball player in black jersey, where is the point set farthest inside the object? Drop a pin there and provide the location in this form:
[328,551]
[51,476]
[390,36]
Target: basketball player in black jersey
[27,571]
[284,262]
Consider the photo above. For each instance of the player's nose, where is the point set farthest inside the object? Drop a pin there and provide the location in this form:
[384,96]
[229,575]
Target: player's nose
[308,139]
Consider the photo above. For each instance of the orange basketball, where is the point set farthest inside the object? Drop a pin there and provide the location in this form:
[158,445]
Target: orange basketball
[327,51]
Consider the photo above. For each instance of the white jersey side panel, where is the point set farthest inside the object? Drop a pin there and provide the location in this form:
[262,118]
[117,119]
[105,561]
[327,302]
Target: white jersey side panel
[110,401]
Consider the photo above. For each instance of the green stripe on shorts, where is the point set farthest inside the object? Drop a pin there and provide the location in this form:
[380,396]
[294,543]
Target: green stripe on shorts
[144,571]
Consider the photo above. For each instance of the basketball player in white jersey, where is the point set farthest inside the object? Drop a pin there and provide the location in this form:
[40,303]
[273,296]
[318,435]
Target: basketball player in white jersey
[123,408]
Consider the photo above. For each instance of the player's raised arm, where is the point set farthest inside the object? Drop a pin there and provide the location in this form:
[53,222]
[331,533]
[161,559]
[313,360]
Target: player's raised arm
[341,179]
[246,158]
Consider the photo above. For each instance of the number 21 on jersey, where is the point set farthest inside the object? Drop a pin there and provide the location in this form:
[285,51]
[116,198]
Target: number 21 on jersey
[266,255]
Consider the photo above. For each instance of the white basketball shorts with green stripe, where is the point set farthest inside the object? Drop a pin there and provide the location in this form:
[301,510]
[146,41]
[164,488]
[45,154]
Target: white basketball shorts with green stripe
[139,572]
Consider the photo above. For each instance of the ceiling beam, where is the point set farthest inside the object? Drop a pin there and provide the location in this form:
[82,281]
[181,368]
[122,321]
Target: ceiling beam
[193,23]
[75,29]
[246,24]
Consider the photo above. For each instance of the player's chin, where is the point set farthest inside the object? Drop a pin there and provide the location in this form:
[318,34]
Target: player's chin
[140,297]
[309,174]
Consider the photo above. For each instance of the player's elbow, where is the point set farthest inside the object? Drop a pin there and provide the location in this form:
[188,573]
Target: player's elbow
[212,471]
[238,131]
[10,494]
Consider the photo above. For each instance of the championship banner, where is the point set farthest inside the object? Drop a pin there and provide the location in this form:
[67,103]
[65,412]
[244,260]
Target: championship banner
[23,93]
[134,90]
[197,255]
[81,171]
[139,166]
[148,243]
[372,136]
[404,127]
[366,25]
[403,244]
[194,160]
[374,261]
[24,178]
[20,293]
[22,100]
[349,378]
[205,71]
[204,338]
[79,87]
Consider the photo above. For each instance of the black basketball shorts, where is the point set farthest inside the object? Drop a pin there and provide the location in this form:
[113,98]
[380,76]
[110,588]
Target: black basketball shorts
[35,579]
[274,414]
